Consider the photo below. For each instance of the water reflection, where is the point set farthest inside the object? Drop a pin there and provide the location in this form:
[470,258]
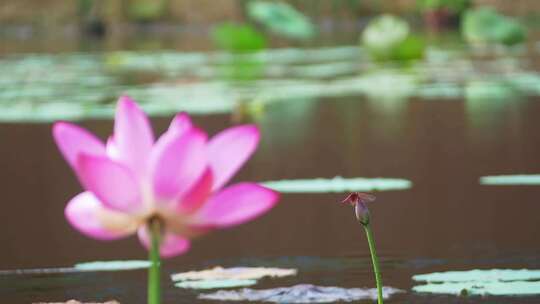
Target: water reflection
[85,84]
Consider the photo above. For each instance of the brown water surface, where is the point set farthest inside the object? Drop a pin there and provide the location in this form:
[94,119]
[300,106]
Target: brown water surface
[447,221]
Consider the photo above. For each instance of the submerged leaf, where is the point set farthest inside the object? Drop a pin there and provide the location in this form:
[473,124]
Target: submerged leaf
[304,293]
[338,184]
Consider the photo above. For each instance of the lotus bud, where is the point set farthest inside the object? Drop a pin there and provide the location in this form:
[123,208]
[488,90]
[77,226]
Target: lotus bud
[359,201]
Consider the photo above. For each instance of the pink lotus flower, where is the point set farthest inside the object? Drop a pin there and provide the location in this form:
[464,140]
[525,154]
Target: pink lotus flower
[177,179]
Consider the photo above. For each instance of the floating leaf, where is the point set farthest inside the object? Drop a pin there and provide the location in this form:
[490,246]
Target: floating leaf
[489,90]
[498,282]
[281,18]
[338,184]
[510,180]
[303,293]
[112,265]
[389,85]
[476,275]
[77,302]
[235,273]
[214,284]
[486,288]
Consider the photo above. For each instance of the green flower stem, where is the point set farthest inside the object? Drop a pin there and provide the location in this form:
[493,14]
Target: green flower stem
[154,289]
[375,261]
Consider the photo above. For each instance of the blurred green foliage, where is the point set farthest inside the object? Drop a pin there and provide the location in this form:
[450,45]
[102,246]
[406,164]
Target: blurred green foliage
[85,7]
[485,26]
[388,38]
[455,6]
[282,19]
[239,40]
[146,10]
[235,37]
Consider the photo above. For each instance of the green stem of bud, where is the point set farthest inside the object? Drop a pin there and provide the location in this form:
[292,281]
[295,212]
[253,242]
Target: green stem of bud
[375,261]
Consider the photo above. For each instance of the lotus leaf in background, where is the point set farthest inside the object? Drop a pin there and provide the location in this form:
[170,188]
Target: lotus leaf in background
[238,38]
[146,10]
[453,6]
[484,26]
[389,38]
[282,19]
[440,14]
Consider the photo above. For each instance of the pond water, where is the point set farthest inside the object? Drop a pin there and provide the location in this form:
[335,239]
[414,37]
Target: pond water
[337,114]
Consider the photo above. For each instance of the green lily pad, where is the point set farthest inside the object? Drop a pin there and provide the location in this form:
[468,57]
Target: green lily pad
[213,284]
[112,265]
[496,282]
[338,184]
[511,180]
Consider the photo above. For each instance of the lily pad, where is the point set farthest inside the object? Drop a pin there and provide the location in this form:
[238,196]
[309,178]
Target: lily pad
[219,277]
[492,275]
[497,282]
[304,293]
[338,184]
[77,302]
[214,284]
[234,273]
[84,267]
[487,288]
[112,265]
[511,180]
